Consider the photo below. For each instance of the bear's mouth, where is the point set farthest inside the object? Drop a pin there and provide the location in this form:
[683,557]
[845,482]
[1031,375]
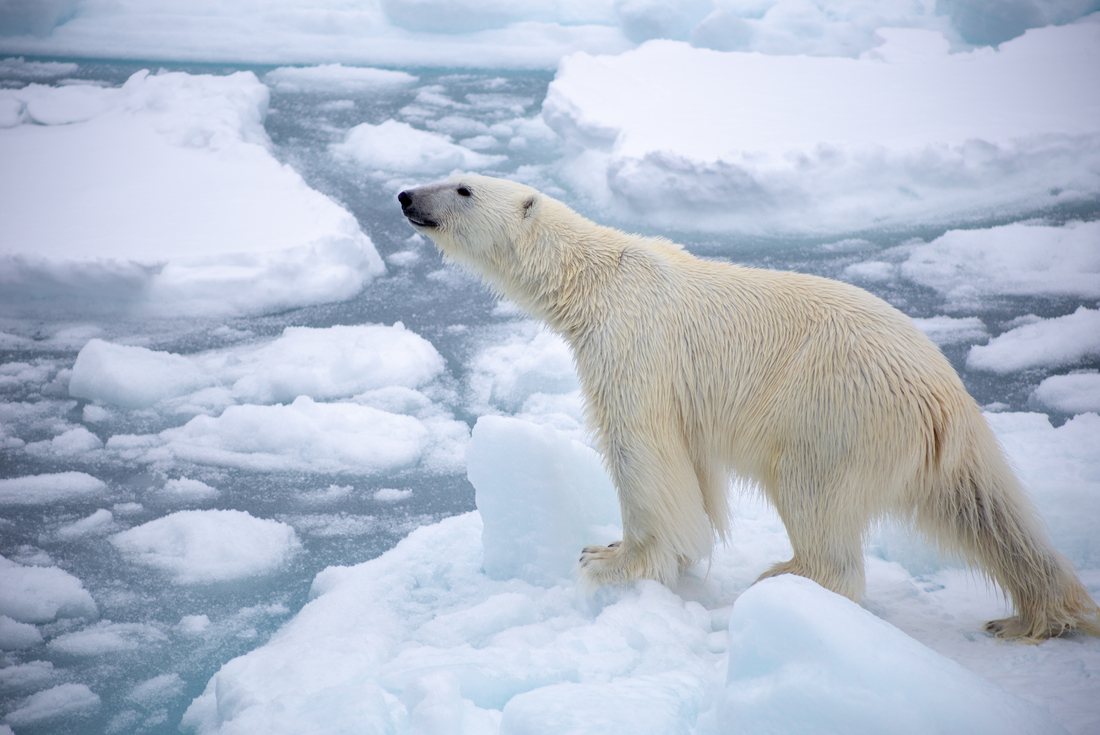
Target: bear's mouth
[417,221]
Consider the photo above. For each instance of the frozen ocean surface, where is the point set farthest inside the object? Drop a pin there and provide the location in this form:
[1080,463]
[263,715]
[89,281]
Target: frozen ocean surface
[267,464]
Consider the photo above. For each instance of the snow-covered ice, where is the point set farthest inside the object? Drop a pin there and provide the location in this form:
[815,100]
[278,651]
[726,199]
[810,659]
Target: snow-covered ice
[48,488]
[907,132]
[449,622]
[33,594]
[203,546]
[1066,341]
[129,167]
[253,480]
[804,660]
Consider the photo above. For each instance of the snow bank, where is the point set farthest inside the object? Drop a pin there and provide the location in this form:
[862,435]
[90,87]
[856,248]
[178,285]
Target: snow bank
[51,488]
[803,659]
[489,33]
[692,139]
[207,546]
[172,202]
[42,594]
[1051,343]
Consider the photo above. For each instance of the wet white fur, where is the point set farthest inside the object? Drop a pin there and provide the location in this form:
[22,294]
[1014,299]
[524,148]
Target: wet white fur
[822,394]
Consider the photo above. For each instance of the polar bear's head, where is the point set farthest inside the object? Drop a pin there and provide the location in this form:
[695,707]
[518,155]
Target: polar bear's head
[472,219]
[494,227]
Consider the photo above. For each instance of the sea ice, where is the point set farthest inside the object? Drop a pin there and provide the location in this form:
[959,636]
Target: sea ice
[528,373]
[100,522]
[60,701]
[172,199]
[490,33]
[430,627]
[107,637]
[338,362]
[803,659]
[943,330]
[1021,259]
[678,137]
[1062,342]
[1074,393]
[50,488]
[335,78]
[397,146]
[16,635]
[538,513]
[304,436]
[42,594]
[209,546]
[186,490]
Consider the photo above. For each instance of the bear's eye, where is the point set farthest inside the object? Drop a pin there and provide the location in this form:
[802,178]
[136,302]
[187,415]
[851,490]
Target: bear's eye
[463,191]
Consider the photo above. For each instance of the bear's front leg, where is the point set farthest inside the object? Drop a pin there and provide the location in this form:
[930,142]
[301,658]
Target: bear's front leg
[617,563]
[665,525]
[609,564]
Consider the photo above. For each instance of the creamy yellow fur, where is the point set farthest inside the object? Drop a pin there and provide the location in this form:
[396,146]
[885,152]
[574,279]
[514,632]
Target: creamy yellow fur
[824,395]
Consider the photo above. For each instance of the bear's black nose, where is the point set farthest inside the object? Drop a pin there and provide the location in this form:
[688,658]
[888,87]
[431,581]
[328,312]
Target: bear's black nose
[405,199]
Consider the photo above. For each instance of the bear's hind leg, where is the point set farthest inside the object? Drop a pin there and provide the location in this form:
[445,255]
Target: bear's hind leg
[979,511]
[826,535]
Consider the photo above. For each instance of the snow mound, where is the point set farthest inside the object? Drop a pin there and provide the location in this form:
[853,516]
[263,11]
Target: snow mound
[208,546]
[172,202]
[803,659]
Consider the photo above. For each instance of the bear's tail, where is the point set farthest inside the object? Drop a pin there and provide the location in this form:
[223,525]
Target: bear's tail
[981,513]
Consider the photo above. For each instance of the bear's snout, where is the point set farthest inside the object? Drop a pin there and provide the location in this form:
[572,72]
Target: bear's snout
[416,216]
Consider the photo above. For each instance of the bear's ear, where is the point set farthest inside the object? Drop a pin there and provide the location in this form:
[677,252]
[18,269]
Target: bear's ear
[528,205]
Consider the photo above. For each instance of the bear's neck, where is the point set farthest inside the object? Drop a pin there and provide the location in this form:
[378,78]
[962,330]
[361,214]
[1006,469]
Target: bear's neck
[569,294]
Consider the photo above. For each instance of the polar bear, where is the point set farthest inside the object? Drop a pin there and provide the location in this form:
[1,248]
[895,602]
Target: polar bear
[825,396]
